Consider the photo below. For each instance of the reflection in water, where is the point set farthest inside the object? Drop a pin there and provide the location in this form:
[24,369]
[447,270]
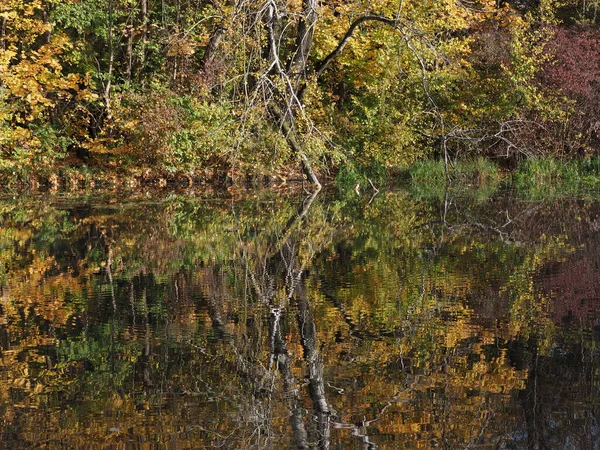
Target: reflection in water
[317,322]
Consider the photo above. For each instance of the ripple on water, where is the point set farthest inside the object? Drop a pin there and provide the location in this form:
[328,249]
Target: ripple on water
[193,324]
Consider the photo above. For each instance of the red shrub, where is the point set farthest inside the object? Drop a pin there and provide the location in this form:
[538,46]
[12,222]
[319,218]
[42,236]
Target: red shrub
[575,71]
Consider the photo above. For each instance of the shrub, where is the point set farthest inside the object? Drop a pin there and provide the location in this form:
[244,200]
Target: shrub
[175,132]
[575,72]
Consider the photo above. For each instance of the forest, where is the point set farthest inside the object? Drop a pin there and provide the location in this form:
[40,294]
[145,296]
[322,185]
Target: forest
[280,89]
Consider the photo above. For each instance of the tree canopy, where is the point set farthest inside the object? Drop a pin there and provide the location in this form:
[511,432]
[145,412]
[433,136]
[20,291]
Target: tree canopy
[258,86]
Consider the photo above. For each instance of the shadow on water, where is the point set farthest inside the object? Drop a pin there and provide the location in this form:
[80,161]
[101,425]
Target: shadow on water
[312,322]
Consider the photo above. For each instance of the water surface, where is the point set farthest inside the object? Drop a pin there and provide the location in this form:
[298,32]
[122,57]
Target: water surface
[458,321]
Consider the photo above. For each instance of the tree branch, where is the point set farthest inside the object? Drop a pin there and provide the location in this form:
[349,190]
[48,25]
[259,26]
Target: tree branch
[344,41]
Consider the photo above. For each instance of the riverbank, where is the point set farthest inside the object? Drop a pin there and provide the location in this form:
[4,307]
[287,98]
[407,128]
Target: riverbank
[84,178]
[535,179]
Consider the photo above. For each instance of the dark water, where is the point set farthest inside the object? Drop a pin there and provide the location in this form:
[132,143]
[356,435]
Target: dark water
[459,321]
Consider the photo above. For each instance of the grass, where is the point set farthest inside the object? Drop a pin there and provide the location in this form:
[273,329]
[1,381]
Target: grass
[477,172]
[349,176]
[550,178]
[534,179]
[479,177]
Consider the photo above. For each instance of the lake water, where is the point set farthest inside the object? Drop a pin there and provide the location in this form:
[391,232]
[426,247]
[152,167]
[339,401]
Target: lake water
[402,321]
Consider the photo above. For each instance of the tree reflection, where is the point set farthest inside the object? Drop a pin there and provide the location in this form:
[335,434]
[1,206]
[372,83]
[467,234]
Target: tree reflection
[309,323]
[284,262]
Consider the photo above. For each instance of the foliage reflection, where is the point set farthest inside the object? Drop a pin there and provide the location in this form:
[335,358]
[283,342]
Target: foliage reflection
[309,322]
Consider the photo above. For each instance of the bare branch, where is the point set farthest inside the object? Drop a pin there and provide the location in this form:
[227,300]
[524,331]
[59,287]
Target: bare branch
[344,41]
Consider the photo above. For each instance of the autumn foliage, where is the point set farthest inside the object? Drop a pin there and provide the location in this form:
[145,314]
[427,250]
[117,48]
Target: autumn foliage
[257,86]
[575,72]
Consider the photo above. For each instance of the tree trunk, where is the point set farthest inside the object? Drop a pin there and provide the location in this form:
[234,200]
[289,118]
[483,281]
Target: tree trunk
[144,36]
[111,58]
[314,361]
[289,133]
[3,34]
[304,41]
[212,49]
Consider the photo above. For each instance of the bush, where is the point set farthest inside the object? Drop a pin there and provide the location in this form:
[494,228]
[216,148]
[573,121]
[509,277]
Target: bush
[575,72]
[175,132]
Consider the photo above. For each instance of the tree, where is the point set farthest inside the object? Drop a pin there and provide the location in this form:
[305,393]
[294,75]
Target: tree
[276,81]
[399,69]
[33,87]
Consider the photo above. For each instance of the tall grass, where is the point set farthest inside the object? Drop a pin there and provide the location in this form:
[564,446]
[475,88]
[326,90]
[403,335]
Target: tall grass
[550,177]
[478,176]
[476,171]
